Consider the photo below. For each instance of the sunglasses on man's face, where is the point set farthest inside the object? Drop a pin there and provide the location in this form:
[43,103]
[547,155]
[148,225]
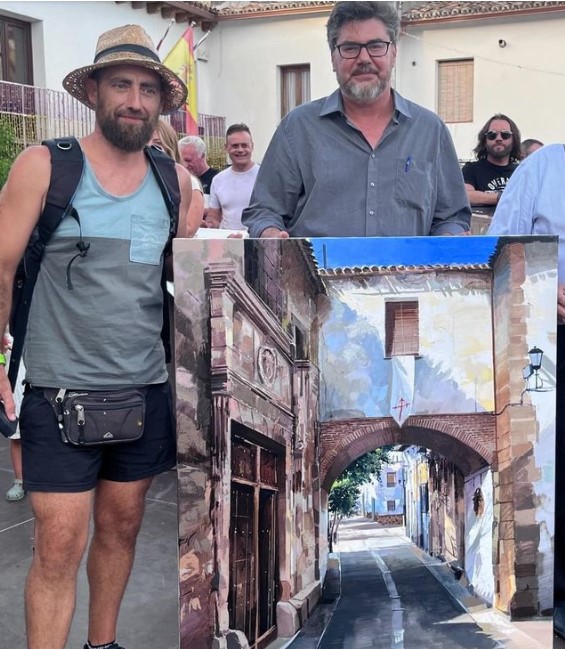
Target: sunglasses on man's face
[492,135]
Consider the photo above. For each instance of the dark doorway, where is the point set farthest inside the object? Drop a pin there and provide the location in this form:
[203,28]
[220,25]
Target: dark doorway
[253,542]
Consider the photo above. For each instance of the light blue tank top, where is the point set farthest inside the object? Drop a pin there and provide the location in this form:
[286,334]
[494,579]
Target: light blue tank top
[106,332]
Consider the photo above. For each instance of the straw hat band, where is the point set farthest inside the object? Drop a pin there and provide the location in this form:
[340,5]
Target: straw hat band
[130,48]
[128,45]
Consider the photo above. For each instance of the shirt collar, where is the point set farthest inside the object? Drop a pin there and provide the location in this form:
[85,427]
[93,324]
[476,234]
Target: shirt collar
[334,104]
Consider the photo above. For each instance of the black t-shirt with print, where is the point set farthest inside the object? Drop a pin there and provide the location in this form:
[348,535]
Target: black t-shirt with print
[487,177]
[206,178]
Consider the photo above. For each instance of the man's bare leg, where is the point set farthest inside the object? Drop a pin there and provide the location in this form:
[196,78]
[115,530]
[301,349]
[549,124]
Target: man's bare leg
[118,512]
[61,534]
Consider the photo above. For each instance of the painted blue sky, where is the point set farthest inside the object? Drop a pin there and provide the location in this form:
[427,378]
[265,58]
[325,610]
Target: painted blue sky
[385,251]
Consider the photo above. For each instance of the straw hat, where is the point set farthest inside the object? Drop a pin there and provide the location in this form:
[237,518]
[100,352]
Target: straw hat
[127,45]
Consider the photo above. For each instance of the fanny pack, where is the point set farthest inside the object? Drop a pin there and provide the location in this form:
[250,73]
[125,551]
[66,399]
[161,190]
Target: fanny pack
[101,417]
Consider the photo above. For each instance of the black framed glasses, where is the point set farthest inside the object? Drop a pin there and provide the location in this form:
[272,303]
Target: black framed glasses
[492,135]
[352,50]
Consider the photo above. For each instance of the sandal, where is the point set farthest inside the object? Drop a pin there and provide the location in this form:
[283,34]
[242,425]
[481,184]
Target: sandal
[16,491]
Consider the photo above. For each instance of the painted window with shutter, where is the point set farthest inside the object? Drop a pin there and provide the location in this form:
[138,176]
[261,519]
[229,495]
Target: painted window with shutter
[402,329]
[455,90]
[295,87]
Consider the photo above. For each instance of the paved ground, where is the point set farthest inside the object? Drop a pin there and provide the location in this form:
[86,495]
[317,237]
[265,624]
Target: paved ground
[149,618]
[395,596]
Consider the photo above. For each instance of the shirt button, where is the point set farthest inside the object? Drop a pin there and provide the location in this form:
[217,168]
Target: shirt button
[371,213]
[373,155]
[372,184]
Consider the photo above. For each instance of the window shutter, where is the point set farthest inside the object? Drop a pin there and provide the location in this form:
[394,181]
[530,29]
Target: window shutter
[402,329]
[455,90]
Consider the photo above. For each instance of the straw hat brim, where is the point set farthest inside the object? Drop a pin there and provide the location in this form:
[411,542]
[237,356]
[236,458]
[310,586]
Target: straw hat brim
[174,89]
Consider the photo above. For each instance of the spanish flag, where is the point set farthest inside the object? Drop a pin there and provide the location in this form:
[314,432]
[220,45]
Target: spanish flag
[181,61]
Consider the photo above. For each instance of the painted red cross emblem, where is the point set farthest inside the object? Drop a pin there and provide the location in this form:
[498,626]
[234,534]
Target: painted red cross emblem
[401,405]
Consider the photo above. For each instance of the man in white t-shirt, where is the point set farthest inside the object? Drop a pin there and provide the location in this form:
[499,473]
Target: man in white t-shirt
[231,189]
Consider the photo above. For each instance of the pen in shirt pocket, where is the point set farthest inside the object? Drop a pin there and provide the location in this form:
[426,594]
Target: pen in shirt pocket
[407,164]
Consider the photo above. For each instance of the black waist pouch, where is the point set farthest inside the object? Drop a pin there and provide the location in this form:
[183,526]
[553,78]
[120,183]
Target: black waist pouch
[101,417]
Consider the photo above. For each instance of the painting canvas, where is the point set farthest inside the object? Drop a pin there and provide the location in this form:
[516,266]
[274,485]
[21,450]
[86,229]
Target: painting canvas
[295,358]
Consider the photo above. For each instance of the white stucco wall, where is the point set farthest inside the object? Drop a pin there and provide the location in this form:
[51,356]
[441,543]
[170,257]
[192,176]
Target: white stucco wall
[238,64]
[478,536]
[453,372]
[241,78]
[64,34]
[524,80]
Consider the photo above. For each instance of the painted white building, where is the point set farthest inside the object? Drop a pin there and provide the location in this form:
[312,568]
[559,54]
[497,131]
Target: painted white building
[383,498]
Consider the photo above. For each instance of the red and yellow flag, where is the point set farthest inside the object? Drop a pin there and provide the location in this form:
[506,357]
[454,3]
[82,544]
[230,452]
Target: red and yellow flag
[182,62]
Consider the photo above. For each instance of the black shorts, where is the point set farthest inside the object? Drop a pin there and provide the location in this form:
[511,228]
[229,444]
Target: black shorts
[51,465]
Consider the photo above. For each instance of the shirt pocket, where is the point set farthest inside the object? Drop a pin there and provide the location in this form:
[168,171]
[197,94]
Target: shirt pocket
[149,235]
[413,188]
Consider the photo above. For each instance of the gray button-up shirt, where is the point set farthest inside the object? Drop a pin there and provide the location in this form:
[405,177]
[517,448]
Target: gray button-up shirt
[321,178]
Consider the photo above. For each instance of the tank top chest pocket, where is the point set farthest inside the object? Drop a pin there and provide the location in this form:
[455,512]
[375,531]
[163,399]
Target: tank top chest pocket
[149,235]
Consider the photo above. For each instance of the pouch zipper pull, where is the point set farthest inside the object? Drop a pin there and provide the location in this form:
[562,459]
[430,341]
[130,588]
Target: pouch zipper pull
[81,421]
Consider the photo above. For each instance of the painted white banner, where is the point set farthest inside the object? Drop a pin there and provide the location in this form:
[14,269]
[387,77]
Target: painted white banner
[402,388]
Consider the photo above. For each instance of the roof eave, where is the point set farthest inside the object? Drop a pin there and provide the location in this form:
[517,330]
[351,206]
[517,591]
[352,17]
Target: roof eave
[457,18]
[313,9]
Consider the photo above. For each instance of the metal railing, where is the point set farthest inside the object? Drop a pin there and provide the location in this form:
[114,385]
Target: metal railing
[37,114]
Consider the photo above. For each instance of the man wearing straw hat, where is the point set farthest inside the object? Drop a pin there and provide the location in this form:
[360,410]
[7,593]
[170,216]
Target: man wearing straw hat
[103,334]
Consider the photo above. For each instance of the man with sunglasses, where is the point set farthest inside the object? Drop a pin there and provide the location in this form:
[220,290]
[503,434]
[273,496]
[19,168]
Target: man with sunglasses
[498,154]
[363,161]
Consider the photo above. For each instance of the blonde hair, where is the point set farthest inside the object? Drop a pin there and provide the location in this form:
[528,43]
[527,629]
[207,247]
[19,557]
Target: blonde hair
[168,139]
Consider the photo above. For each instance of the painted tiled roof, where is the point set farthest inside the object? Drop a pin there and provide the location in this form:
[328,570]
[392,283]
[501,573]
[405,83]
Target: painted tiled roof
[346,271]
[443,11]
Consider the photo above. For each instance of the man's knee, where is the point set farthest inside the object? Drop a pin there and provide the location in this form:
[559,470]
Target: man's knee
[59,554]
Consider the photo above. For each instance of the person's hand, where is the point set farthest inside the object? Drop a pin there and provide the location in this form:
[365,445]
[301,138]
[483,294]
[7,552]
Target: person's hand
[561,304]
[274,233]
[6,395]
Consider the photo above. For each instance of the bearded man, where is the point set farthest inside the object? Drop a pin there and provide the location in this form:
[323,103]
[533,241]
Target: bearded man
[363,161]
[100,334]
[498,153]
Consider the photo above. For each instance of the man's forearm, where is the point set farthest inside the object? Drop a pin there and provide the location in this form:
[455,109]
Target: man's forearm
[482,198]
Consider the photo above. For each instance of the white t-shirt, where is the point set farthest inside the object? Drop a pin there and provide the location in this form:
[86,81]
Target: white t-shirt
[230,191]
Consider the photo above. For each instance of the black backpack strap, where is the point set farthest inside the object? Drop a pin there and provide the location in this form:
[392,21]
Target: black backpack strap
[165,172]
[67,164]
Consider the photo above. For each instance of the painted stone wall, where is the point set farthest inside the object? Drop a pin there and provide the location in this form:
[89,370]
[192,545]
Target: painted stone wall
[238,370]
[523,470]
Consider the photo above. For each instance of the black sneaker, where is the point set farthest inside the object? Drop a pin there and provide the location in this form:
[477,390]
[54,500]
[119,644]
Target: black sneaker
[114,645]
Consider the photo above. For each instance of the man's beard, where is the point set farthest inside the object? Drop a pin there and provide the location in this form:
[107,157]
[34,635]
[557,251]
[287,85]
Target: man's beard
[363,93]
[126,137]
[499,154]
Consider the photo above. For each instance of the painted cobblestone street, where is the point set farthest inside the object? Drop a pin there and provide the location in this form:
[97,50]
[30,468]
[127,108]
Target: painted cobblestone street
[394,596]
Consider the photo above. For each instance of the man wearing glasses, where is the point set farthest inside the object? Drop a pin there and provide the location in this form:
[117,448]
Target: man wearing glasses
[363,161]
[498,154]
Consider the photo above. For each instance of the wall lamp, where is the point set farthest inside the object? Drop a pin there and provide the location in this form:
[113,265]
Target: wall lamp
[536,356]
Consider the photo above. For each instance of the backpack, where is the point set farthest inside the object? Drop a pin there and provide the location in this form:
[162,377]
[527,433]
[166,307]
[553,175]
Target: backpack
[67,163]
